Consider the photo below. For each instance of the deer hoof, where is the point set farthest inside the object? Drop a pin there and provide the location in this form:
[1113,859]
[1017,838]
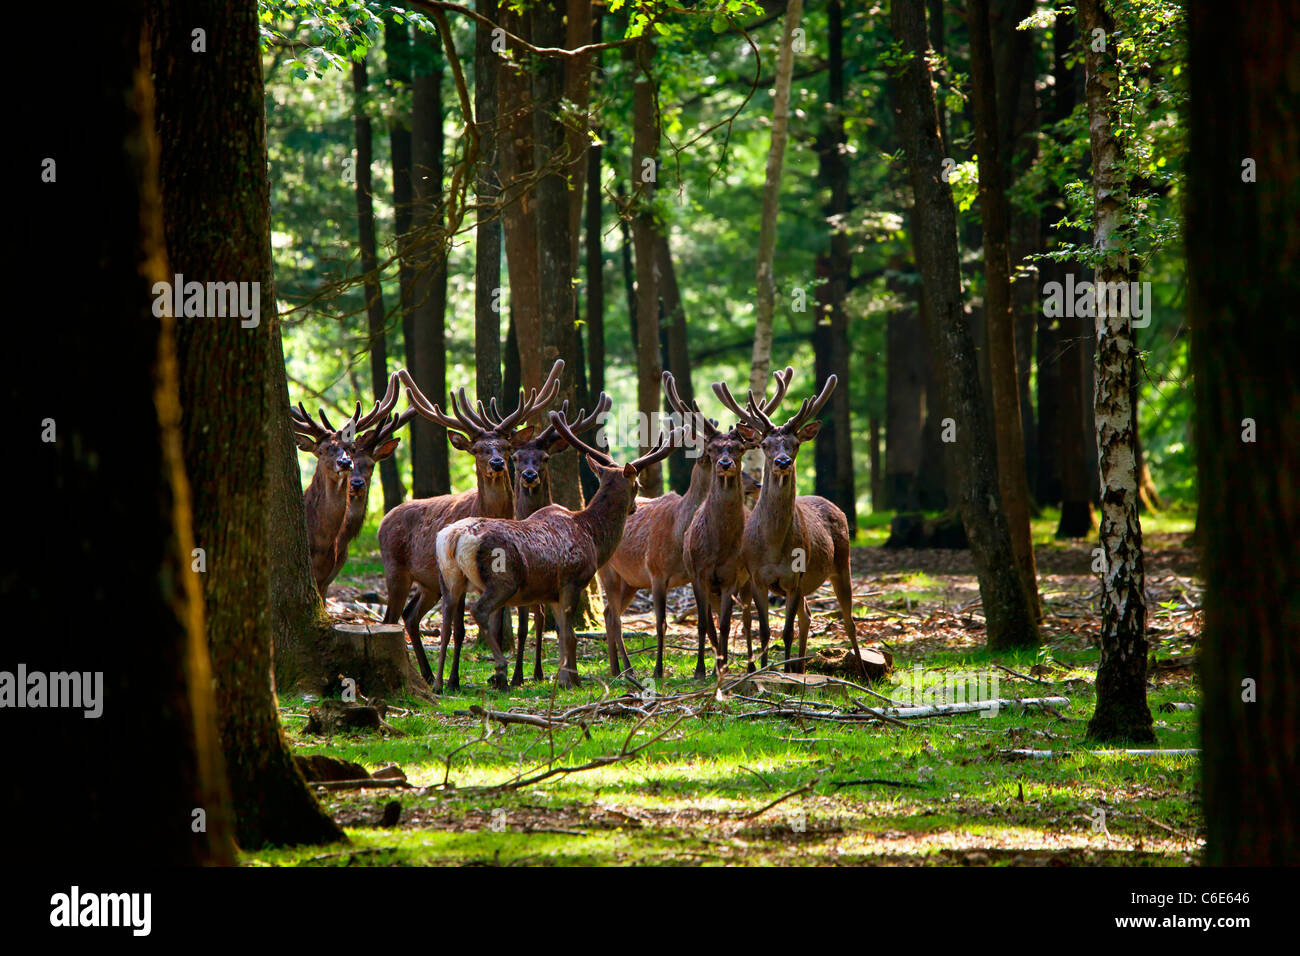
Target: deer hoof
[499,680]
[567,679]
[699,674]
[538,675]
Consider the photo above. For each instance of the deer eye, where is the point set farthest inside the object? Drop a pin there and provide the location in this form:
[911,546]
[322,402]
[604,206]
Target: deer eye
[545,459]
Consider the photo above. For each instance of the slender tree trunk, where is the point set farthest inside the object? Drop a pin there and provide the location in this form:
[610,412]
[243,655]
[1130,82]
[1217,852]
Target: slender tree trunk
[645,160]
[397,48]
[216,213]
[375,321]
[430,465]
[112,494]
[595,253]
[487,229]
[766,278]
[1243,268]
[629,280]
[997,299]
[678,354]
[1122,712]
[833,451]
[1011,620]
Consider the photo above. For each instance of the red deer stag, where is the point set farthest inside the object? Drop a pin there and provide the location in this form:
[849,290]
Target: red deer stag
[650,554]
[532,493]
[408,532]
[336,498]
[793,544]
[548,559]
[711,545]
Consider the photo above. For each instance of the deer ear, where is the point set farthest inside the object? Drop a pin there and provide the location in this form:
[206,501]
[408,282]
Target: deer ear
[386,449]
[557,445]
[809,431]
[595,466]
[459,441]
[522,436]
[305,442]
[629,471]
[750,436]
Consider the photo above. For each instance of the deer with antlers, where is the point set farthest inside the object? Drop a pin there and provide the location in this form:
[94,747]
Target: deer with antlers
[547,559]
[533,493]
[408,533]
[792,544]
[650,554]
[340,487]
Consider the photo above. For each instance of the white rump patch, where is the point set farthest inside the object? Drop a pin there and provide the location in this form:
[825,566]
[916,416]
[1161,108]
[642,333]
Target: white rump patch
[457,552]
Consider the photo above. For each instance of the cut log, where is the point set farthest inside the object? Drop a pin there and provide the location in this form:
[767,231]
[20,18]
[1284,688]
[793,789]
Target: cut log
[973,707]
[334,716]
[375,657]
[838,662]
[318,767]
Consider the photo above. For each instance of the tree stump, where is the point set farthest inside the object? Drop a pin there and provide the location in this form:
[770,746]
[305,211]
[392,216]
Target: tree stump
[375,657]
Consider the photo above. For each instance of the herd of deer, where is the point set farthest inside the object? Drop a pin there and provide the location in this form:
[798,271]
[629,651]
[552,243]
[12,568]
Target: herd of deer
[510,544]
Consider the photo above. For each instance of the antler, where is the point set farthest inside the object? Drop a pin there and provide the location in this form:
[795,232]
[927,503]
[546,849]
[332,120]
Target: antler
[690,413]
[811,407]
[535,402]
[386,429]
[584,423]
[304,424]
[560,425]
[382,407]
[755,414]
[469,425]
[661,450]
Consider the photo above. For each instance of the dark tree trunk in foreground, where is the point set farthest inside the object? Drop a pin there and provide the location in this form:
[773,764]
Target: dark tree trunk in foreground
[112,495]
[430,466]
[904,400]
[375,322]
[1243,245]
[216,214]
[996,217]
[1122,712]
[1011,621]
[487,231]
[645,161]
[833,451]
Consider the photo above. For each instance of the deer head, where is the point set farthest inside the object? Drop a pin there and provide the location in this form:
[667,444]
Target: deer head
[490,438]
[618,482]
[720,451]
[327,443]
[780,443]
[532,457]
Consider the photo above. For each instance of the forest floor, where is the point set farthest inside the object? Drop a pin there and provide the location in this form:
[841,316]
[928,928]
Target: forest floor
[704,781]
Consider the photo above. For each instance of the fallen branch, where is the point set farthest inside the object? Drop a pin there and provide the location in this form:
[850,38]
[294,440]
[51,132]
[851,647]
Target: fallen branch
[1032,680]
[1046,754]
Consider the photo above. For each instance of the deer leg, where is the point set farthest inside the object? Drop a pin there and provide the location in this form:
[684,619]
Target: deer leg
[399,585]
[724,627]
[507,632]
[566,675]
[764,625]
[540,622]
[518,679]
[804,621]
[843,585]
[486,614]
[659,595]
[448,613]
[787,631]
[746,616]
[458,623]
[704,619]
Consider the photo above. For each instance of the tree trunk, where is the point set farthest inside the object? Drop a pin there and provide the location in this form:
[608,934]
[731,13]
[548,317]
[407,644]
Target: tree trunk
[397,47]
[375,322]
[997,299]
[487,228]
[216,213]
[1122,712]
[430,465]
[595,254]
[766,279]
[833,452]
[1243,268]
[904,402]
[645,161]
[679,356]
[1011,621]
[112,494]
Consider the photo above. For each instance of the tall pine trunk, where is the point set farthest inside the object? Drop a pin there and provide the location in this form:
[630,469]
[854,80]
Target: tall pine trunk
[645,161]
[487,229]
[970,458]
[995,213]
[1243,268]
